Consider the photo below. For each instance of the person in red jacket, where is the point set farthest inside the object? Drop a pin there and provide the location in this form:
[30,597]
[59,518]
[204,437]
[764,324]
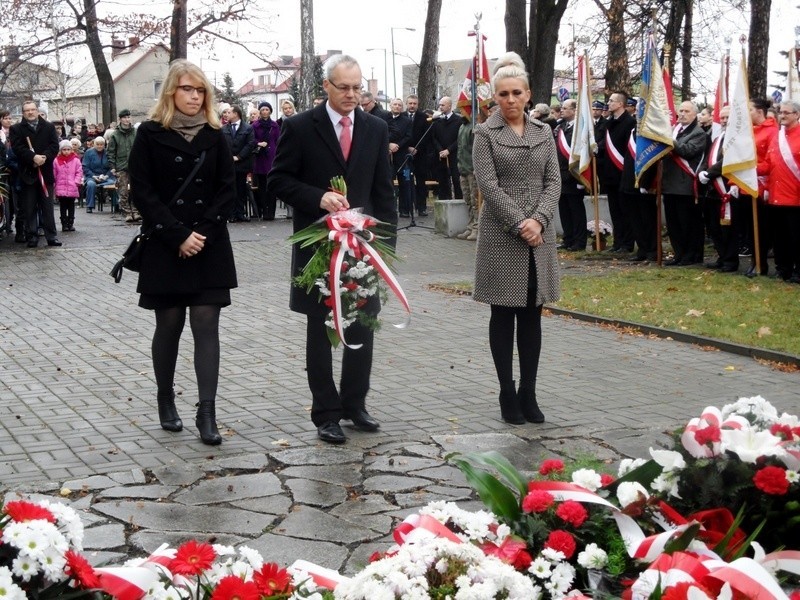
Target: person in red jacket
[782,165]
[765,129]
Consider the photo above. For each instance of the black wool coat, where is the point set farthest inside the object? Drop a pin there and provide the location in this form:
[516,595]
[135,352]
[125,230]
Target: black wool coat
[159,162]
[44,141]
[308,156]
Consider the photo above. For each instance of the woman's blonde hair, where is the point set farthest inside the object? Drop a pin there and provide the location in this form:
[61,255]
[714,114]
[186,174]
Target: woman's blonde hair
[510,65]
[164,110]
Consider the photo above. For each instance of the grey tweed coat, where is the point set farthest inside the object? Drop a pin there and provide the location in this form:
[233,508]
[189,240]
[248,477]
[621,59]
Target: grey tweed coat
[519,179]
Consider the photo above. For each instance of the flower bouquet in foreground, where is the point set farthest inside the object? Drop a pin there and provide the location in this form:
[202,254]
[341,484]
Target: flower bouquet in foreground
[350,267]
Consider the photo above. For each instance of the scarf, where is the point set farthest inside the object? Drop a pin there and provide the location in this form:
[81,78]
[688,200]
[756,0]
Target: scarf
[62,160]
[188,126]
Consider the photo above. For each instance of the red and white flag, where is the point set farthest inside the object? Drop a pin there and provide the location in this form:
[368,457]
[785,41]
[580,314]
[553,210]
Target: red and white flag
[739,148]
[477,87]
[721,96]
[583,144]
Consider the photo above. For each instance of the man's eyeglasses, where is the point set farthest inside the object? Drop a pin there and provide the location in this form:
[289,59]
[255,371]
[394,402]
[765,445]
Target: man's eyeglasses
[787,112]
[356,89]
[190,88]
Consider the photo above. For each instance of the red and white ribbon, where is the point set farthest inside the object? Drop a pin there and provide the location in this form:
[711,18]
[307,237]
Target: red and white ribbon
[422,527]
[710,417]
[347,230]
[132,582]
[321,576]
[615,155]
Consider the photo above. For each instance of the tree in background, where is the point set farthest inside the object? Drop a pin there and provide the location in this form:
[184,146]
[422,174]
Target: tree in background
[759,47]
[426,86]
[228,92]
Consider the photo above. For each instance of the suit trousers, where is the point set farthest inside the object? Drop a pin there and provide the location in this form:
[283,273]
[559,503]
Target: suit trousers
[240,206]
[642,210]
[572,212]
[34,203]
[742,209]
[328,403]
[685,226]
[722,236]
[421,175]
[620,221]
[785,222]
[448,178]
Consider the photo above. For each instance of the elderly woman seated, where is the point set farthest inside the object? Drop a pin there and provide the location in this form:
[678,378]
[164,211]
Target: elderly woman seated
[96,171]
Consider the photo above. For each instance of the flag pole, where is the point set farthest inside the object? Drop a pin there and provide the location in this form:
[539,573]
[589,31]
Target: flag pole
[659,241]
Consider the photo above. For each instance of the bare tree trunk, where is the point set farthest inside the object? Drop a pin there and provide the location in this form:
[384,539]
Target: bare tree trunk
[306,54]
[542,66]
[516,31]
[759,47]
[426,86]
[108,98]
[672,33]
[686,53]
[178,38]
[617,73]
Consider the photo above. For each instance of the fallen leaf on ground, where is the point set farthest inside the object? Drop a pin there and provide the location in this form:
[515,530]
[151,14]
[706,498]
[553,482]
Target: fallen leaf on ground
[762,331]
[730,368]
[693,312]
[280,442]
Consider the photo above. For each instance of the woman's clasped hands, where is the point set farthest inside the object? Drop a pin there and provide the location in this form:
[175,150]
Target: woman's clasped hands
[530,230]
[192,245]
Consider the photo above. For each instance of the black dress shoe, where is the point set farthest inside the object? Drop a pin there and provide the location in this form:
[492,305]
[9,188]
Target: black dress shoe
[423,213]
[54,242]
[713,265]
[19,238]
[404,215]
[33,242]
[639,258]
[362,420]
[561,247]
[331,432]
[729,268]
[673,263]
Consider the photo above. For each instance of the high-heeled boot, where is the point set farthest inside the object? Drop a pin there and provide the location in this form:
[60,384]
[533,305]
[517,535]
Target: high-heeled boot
[530,408]
[509,405]
[206,423]
[168,413]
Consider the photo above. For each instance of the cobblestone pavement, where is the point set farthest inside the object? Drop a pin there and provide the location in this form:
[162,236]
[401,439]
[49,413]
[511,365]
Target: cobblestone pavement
[77,401]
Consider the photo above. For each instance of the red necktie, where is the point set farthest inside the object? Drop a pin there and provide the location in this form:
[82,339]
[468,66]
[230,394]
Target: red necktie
[346,138]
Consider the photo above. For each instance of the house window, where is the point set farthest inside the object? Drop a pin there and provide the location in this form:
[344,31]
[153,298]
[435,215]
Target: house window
[261,80]
[156,88]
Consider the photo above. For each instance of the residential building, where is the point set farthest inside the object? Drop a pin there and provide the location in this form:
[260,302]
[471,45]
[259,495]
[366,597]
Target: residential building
[22,80]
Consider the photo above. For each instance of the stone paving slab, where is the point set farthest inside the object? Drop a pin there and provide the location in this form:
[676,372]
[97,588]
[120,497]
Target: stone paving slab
[78,412]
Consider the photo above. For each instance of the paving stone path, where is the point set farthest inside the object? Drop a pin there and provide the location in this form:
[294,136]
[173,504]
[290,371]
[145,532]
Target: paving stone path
[78,422]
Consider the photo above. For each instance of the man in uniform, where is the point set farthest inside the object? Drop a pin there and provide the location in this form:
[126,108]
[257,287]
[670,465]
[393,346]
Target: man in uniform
[119,148]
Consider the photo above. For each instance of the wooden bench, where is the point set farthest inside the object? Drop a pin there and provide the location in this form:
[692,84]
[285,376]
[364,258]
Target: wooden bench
[106,190]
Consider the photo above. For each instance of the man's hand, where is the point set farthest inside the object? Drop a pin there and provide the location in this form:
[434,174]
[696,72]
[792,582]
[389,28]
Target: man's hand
[412,151]
[39,159]
[393,147]
[444,153]
[235,159]
[192,245]
[262,144]
[333,202]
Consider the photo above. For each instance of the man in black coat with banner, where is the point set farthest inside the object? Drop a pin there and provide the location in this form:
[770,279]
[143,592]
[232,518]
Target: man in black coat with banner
[571,208]
[310,153]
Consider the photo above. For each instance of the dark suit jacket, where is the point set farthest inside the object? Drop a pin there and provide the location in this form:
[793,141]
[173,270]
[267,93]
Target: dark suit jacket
[241,144]
[619,130]
[569,185]
[44,141]
[445,135]
[308,156]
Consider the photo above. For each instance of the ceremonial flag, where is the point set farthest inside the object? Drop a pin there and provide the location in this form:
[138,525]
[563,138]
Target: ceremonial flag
[673,114]
[793,77]
[476,90]
[721,95]
[654,128]
[739,147]
[583,144]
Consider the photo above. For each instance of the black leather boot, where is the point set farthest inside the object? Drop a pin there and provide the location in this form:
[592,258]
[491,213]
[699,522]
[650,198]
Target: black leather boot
[206,423]
[509,405]
[530,408]
[168,414]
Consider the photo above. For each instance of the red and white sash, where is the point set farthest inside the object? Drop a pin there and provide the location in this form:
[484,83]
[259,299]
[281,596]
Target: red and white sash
[632,144]
[719,182]
[563,145]
[683,164]
[615,155]
[786,154]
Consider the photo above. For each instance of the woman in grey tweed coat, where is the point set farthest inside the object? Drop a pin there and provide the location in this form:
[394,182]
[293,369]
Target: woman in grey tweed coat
[516,268]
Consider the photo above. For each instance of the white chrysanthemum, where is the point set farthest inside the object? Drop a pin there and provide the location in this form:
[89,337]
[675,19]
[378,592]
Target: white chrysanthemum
[792,476]
[626,465]
[540,567]
[223,550]
[666,483]
[564,571]
[8,589]
[53,563]
[552,554]
[252,557]
[629,492]
[588,478]
[34,541]
[24,567]
[593,557]
[503,531]
[757,407]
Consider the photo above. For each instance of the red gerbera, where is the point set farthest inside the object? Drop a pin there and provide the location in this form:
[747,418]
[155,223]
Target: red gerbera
[551,465]
[537,501]
[572,512]
[22,512]
[81,571]
[562,541]
[192,558]
[772,480]
[233,588]
[272,579]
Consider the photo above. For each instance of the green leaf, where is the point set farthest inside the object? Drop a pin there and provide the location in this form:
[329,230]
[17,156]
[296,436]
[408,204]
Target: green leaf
[644,474]
[497,497]
[512,478]
[683,540]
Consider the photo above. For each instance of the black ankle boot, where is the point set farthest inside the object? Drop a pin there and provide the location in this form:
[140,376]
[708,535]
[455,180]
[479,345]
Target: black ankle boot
[530,408]
[207,424]
[509,405]
[168,414]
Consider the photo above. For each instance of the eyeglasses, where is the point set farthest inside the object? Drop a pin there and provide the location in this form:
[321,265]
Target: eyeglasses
[356,89]
[201,91]
[787,112]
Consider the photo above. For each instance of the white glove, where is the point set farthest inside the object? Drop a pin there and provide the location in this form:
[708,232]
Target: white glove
[580,187]
[643,190]
[703,177]
[734,191]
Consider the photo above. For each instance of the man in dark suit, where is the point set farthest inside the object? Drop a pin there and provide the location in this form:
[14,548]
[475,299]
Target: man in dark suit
[571,208]
[241,139]
[445,142]
[35,144]
[310,152]
[399,137]
[420,148]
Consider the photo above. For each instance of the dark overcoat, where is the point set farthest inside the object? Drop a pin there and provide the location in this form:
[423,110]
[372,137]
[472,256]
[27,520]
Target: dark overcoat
[308,156]
[44,141]
[160,160]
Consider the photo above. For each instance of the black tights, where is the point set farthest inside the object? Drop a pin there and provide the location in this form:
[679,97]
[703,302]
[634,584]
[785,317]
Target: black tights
[204,321]
[529,341]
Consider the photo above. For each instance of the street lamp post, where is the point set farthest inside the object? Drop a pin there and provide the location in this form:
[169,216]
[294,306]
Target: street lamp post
[394,68]
[385,69]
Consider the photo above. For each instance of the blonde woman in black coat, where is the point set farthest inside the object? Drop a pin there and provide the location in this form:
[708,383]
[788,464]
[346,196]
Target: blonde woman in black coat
[188,260]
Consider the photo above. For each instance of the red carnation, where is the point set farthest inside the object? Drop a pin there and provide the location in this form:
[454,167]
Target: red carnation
[537,501]
[708,435]
[606,479]
[272,579]
[512,551]
[794,595]
[192,558]
[680,591]
[562,541]
[782,431]
[772,480]
[551,465]
[81,571]
[233,588]
[376,556]
[572,512]
[22,512]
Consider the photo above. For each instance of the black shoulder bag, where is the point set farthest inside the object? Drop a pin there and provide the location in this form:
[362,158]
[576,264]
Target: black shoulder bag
[132,257]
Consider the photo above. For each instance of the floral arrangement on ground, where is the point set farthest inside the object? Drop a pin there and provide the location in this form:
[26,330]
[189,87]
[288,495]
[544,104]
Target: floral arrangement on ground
[715,515]
[350,268]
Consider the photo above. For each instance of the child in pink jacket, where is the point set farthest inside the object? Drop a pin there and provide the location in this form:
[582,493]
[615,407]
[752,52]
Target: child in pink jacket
[69,175]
